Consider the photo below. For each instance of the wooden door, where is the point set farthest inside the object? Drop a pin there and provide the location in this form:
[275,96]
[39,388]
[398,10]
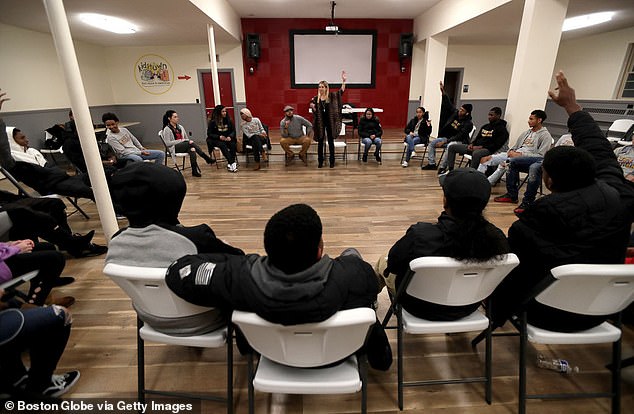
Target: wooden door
[226,90]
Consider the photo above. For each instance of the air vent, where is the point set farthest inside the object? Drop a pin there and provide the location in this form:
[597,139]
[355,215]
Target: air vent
[610,111]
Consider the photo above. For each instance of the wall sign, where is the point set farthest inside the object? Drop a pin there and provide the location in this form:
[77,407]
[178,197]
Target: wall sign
[153,74]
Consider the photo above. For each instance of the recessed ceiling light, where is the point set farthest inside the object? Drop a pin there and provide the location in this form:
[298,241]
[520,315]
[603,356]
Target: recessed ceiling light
[586,20]
[109,23]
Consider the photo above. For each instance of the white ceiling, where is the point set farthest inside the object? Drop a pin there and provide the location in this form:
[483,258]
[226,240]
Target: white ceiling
[178,22]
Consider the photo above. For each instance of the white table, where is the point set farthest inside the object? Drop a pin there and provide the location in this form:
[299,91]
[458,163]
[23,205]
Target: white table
[352,110]
[121,124]
[358,110]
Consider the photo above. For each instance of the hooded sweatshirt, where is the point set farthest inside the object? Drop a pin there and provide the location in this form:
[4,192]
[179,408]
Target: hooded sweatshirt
[30,155]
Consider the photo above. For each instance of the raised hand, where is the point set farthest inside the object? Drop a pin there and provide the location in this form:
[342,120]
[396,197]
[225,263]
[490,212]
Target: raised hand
[3,98]
[564,95]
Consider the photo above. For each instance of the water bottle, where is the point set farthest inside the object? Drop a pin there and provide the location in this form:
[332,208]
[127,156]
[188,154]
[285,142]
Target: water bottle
[559,365]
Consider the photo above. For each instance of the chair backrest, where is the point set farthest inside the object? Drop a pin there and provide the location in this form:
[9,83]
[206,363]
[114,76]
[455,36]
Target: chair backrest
[473,130]
[148,291]
[590,289]
[447,281]
[307,345]
[622,129]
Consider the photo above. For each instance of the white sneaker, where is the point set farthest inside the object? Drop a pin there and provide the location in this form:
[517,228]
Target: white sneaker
[404,164]
[234,167]
[413,153]
[60,384]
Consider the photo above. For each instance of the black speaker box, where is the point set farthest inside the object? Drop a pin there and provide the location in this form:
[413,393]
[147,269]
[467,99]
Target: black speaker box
[406,45]
[253,45]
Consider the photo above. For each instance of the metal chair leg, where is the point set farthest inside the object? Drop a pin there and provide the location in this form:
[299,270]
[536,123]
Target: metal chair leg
[522,373]
[399,347]
[140,351]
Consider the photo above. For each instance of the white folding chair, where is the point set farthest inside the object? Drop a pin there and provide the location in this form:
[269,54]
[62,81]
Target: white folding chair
[419,152]
[619,129]
[449,282]
[148,291]
[173,155]
[587,289]
[290,355]
[48,136]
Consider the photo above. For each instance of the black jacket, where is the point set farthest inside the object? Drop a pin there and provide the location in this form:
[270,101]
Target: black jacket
[213,134]
[250,283]
[492,136]
[350,283]
[424,131]
[587,225]
[454,128]
[435,239]
[369,127]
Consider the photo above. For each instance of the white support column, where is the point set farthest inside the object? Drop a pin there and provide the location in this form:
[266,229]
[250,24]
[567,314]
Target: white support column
[537,48]
[214,65]
[79,104]
[433,73]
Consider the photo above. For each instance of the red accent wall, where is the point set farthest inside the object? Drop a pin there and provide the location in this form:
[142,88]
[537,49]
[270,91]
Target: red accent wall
[268,90]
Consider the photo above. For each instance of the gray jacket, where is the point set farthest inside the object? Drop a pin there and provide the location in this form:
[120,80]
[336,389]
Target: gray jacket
[533,144]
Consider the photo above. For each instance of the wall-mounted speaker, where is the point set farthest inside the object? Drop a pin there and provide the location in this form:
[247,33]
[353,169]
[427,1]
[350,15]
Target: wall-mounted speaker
[406,45]
[253,45]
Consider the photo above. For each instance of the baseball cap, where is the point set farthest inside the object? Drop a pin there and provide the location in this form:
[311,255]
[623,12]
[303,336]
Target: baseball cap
[468,187]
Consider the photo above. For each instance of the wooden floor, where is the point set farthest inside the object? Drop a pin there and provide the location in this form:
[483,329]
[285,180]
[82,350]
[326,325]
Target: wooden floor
[367,206]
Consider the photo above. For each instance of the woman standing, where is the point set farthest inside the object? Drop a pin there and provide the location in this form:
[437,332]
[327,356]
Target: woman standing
[326,107]
[175,139]
[222,134]
[370,132]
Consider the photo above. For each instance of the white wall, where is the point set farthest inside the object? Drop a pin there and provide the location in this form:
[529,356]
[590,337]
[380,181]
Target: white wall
[32,77]
[593,64]
[487,69]
[185,60]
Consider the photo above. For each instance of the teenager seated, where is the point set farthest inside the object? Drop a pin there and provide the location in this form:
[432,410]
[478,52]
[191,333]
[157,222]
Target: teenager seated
[461,232]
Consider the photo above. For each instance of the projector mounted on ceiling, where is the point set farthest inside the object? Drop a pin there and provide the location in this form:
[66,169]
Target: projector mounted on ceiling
[332,27]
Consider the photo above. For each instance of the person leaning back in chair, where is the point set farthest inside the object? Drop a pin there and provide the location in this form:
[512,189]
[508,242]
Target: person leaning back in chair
[295,284]
[461,232]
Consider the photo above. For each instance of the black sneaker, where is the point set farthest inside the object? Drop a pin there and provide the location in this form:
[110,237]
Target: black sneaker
[90,250]
[60,384]
[365,158]
[441,171]
[429,167]
[63,281]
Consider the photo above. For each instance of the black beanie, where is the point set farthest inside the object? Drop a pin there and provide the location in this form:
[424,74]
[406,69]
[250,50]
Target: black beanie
[148,193]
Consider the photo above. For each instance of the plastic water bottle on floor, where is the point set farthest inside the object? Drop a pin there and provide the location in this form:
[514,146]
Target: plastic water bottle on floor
[559,365]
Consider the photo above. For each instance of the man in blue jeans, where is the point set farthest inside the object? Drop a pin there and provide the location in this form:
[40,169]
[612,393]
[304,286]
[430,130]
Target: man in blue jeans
[125,145]
[535,177]
[529,149]
[44,333]
[455,127]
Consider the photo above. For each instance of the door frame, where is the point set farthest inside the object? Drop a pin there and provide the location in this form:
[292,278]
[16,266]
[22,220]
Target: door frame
[457,101]
[201,92]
